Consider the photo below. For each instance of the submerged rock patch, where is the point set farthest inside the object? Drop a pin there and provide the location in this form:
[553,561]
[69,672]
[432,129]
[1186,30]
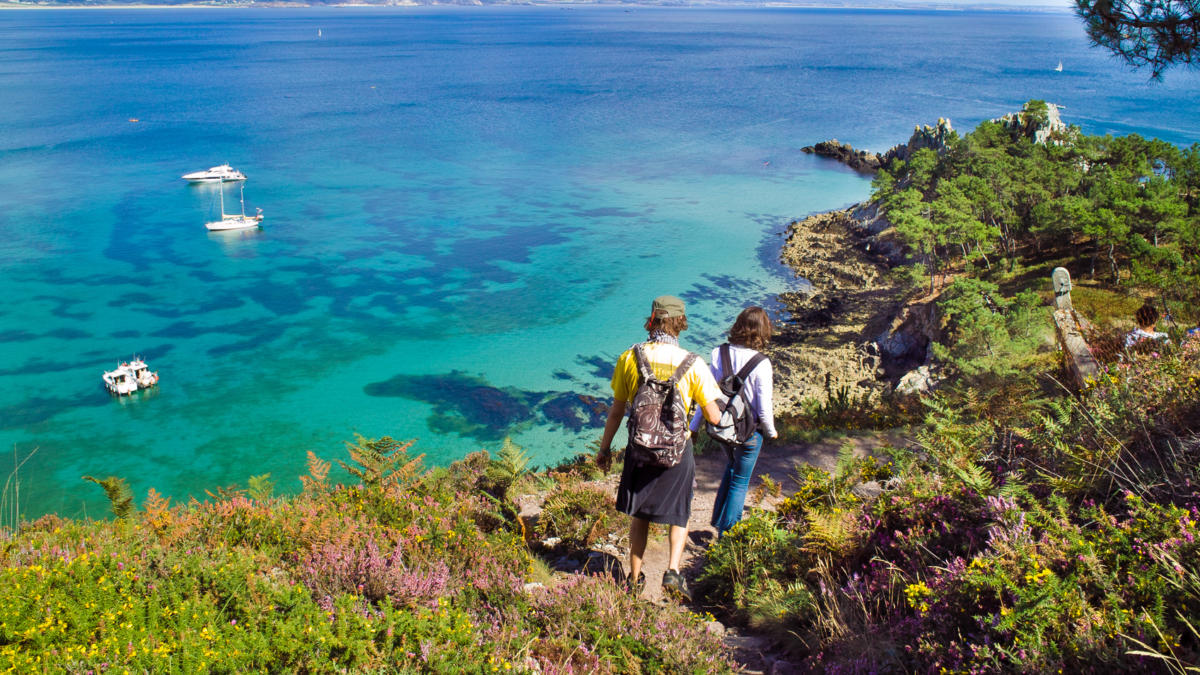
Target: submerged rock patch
[468,405]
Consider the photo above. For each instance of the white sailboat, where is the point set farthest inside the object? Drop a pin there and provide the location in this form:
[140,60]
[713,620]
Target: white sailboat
[1058,68]
[234,221]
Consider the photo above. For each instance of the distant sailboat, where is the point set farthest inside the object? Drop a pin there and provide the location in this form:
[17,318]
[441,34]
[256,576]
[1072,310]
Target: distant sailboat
[1058,68]
[319,33]
[234,221]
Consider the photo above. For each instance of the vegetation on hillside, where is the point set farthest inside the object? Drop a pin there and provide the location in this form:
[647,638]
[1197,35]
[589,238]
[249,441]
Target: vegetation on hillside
[1035,529]
[406,570]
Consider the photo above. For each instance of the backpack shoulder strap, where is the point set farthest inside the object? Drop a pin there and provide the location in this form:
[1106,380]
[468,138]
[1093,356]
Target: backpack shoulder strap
[726,361]
[758,358]
[645,373]
[683,368]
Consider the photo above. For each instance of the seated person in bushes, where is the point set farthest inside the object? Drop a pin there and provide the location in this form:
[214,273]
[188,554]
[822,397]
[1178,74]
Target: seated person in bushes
[1145,335]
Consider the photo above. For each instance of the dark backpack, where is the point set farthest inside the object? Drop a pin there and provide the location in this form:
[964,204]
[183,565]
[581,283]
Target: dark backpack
[738,421]
[658,420]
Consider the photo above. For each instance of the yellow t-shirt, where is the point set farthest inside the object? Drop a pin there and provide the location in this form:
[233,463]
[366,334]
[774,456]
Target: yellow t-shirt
[696,385]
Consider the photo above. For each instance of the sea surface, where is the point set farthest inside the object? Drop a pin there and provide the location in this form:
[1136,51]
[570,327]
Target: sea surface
[467,211]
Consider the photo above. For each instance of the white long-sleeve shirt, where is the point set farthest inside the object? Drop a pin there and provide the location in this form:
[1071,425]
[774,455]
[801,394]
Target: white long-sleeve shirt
[759,385]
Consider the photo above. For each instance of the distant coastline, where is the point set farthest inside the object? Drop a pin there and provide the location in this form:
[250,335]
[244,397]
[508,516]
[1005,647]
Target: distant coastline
[680,4]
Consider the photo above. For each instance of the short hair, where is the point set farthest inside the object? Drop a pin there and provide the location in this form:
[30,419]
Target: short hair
[671,325]
[1146,316]
[751,329]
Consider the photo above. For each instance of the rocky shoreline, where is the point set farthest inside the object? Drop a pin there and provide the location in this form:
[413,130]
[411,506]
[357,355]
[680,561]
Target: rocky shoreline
[853,329]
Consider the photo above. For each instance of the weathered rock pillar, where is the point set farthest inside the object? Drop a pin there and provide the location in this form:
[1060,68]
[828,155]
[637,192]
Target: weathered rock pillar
[1069,326]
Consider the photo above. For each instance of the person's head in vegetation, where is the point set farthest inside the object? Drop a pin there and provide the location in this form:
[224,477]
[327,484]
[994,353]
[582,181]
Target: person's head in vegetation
[1146,317]
[752,329]
[668,315]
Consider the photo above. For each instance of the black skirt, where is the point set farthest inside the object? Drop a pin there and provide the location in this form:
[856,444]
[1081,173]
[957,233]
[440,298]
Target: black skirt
[656,494]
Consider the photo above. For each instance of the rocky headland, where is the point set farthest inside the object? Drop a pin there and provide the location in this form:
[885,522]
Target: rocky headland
[1039,127]
[862,161]
[935,137]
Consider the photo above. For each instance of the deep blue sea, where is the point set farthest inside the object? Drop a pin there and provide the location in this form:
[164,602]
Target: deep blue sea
[468,211]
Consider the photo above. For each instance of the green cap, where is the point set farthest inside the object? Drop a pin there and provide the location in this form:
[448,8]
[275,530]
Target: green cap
[667,306]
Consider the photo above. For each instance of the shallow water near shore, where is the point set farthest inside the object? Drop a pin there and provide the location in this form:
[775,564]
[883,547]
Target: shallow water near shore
[467,210]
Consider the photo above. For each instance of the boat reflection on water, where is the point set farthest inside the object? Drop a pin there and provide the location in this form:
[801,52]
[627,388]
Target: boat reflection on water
[143,395]
[237,242]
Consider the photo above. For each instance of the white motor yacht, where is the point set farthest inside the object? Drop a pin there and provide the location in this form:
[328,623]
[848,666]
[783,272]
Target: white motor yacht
[216,174]
[235,221]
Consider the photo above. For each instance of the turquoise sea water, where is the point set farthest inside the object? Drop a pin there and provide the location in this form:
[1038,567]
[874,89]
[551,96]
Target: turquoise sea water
[467,211]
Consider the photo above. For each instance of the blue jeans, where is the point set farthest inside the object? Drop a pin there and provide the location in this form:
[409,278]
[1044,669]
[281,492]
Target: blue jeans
[731,496]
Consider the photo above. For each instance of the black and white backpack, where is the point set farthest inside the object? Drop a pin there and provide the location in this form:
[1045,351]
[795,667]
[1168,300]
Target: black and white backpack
[738,422]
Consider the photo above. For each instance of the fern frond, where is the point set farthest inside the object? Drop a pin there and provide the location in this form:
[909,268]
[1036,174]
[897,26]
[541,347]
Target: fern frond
[511,461]
[157,509]
[973,477]
[381,463]
[318,470]
[1015,490]
[845,460]
[259,488]
[120,497]
[226,491]
[828,532]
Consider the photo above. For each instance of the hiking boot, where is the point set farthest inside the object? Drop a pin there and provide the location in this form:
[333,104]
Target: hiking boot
[635,587]
[675,586]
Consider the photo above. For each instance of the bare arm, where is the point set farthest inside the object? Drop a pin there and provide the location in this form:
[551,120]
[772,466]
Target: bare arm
[616,413]
[712,413]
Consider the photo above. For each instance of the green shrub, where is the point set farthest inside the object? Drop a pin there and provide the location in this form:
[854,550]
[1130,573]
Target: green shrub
[578,515]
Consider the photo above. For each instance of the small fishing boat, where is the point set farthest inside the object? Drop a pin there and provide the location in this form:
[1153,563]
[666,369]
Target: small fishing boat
[129,377]
[119,382]
[141,374]
[216,174]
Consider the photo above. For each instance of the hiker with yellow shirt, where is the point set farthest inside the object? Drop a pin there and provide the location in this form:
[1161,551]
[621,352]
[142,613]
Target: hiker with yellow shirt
[659,384]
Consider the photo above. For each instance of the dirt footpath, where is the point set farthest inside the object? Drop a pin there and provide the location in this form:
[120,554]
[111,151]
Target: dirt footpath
[777,460]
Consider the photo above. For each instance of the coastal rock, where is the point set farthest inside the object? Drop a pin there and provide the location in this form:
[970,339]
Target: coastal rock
[781,667]
[859,160]
[868,491]
[1034,126]
[916,382]
[906,341]
[935,137]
